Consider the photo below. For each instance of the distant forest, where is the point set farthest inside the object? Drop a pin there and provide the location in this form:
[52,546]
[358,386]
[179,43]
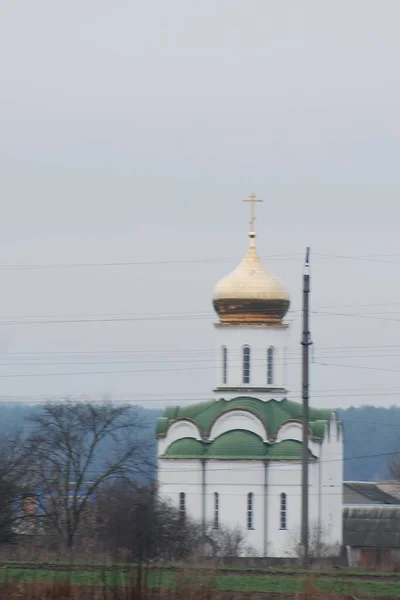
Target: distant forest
[372,435]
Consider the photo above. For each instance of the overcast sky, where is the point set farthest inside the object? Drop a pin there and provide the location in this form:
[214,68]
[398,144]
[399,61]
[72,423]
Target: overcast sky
[130,133]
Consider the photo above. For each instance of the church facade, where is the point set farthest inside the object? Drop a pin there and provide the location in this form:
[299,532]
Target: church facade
[235,460]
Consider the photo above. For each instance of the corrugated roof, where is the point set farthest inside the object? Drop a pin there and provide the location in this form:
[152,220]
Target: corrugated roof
[371,526]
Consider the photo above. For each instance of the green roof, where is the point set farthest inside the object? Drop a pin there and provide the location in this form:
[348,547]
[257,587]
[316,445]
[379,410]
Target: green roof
[238,445]
[185,448]
[272,414]
[287,450]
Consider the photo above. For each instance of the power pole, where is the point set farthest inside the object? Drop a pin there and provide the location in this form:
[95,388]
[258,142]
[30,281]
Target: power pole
[305,396]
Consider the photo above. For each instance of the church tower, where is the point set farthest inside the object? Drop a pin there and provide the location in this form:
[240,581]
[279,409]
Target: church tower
[251,334]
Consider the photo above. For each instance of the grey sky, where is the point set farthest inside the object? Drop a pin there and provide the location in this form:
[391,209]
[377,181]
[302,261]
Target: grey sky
[130,131]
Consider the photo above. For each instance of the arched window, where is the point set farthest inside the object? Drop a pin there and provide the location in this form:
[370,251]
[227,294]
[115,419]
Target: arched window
[224,364]
[250,510]
[246,364]
[270,365]
[216,511]
[182,507]
[283,511]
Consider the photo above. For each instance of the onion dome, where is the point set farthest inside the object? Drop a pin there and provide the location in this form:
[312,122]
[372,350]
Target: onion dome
[250,294]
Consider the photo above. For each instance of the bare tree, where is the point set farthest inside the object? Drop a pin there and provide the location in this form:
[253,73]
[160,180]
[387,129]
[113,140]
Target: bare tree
[133,519]
[227,542]
[75,449]
[317,548]
[12,472]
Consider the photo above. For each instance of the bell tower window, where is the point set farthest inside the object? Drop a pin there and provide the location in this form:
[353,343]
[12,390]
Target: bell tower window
[224,364]
[270,365]
[246,364]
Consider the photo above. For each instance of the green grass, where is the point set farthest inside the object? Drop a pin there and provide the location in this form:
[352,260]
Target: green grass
[89,578]
[214,580]
[206,567]
[337,586]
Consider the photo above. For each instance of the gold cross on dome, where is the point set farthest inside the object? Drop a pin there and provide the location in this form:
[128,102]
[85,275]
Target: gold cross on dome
[252,200]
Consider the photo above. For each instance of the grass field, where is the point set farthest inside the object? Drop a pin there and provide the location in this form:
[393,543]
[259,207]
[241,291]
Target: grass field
[245,569]
[216,579]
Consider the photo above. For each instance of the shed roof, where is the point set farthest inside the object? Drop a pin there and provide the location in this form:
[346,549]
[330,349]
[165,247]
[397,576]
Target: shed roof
[371,526]
[372,491]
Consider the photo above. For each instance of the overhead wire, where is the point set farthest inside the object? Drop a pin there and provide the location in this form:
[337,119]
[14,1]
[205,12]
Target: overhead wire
[143,263]
[173,369]
[181,316]
[162,262]
[47,319]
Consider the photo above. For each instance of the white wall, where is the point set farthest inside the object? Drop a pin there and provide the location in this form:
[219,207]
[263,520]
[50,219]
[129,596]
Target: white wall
[176,476]
[283,478]
[259,338]
[331,467]
[233,481]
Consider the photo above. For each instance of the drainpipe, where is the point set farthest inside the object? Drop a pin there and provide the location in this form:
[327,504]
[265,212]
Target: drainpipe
[265,553]
[203,498]
[320,488]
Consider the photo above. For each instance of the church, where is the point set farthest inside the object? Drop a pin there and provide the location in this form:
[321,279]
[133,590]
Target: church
[234,460]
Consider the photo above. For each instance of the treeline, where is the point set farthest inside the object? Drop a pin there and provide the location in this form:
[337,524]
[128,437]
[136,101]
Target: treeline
[372,434]
[371,442]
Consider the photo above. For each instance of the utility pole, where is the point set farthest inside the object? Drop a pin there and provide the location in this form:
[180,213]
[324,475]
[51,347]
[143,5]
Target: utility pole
[305,396]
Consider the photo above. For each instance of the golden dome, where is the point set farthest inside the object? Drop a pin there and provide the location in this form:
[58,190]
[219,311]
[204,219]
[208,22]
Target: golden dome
[250,294]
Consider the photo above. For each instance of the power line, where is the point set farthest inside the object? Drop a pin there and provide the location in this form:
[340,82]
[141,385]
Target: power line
[250,468]
[318,394]
[365,367]
[294,256]
[198,351]
[205,314]
[181,316]
[173,369]
[145,263]
[366,258]
[167,358]
[357,315]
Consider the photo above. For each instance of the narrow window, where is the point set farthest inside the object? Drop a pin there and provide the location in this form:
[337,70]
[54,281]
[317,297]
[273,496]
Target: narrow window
[270,365]
[283,511]
[250,511]
[216,511]
[246,364]
[224,364]
[182,507]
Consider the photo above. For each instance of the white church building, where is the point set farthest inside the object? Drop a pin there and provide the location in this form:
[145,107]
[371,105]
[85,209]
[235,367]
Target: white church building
[235,460]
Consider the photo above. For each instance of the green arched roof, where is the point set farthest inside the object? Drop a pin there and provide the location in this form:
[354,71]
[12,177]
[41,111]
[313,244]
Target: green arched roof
[272,414]
[318,428]
[185,448]
[237,444]
[286,450]
[162,425]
